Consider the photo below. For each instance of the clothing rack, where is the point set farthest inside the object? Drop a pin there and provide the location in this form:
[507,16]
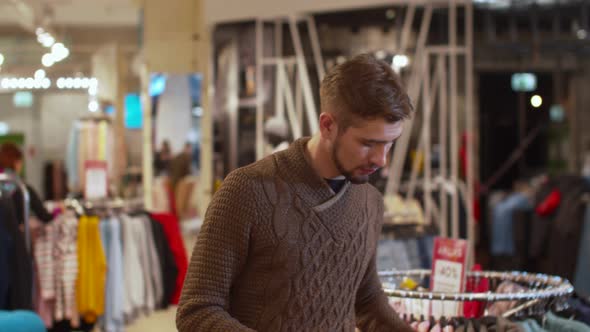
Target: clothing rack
[115,203]
[13,178]
[546,290]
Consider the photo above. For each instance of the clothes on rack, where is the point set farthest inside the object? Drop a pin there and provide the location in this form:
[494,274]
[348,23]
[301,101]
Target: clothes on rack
[502,239]
[108,271]
[405,254]
[92,266]
[90,139]
[113,319]
[555,239]
[172,231]
[582,275]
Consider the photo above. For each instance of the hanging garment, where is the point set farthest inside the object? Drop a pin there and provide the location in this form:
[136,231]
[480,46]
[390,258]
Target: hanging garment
[554,323]
[549,204]
[113,319]
[66,268]
[506,287]
[90,286]
[45,272]
[154,266]
[531,325]
[502,237]
[20,273]
[168,268]
[582,276]
[132,269]
[176,243]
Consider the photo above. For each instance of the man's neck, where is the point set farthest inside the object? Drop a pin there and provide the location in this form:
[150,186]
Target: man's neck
[321,158]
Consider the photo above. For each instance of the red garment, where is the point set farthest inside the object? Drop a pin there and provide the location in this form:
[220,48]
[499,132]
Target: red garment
[172,231]
[474,309]
[549,204]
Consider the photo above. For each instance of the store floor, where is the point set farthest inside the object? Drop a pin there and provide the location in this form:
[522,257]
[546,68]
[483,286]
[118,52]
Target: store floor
[163,321]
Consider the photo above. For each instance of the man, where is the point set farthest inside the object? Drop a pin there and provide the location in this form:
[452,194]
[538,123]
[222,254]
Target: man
[289,242]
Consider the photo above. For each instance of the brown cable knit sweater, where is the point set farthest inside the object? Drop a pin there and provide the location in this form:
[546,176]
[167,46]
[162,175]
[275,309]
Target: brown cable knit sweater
[279,251]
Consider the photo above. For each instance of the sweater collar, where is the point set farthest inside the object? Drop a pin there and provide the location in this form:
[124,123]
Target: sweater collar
[294,165]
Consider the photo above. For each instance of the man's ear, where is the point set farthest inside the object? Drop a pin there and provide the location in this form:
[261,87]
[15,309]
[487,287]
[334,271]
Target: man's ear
[328,126]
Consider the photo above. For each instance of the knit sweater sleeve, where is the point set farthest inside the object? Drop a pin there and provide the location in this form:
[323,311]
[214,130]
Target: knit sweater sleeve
[218,258]
[373,312]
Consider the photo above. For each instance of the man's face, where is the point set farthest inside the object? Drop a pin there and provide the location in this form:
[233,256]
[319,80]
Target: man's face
[361,149]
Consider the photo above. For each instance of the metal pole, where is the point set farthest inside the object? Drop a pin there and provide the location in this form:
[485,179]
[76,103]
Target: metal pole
[407,28]
[232,102]
[470,129]
[287,92]
[315,46]
[415,163]
[427,141]
[279,102]
[443,133]
[298,96]
[148,153]
[259,90]
[401,146]
[453,119]
[312,115]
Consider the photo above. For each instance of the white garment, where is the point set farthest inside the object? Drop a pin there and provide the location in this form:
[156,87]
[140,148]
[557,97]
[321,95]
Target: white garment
[133,271]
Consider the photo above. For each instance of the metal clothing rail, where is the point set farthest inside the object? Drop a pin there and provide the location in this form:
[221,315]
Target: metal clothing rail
[551,287]
[15,179]
[82,205]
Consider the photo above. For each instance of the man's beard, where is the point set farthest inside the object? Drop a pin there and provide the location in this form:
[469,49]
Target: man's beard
[348,175]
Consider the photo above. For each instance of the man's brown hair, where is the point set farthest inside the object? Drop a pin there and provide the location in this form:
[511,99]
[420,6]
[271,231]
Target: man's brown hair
[364,88]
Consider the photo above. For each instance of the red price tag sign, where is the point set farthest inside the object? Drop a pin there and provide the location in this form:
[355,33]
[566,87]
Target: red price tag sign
[448,273]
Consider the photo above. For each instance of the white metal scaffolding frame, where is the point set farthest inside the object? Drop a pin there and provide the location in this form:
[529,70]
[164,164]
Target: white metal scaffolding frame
[433,83]
[284,92]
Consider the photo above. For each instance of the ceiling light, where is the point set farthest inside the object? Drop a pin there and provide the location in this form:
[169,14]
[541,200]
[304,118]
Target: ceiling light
[21,83]
[93,83]
[380,54]
[47,60]
[390,14]
[39,31]
[5,83]
[92,90]
[46,83]
[85,83]
[1,59]
[93,106]
[401,60]
[61,83]
[69,83]
[29,83]
[536,101]
[582,34]
[40,74]
[48,41]
[77,83]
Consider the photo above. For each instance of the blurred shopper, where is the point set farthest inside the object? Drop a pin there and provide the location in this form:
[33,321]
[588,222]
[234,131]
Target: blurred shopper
[289,242]
[11,159]
[162,158]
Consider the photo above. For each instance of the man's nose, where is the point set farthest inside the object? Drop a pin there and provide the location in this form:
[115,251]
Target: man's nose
[379,156]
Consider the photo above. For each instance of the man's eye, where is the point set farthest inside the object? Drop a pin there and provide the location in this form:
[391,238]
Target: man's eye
[368,144]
